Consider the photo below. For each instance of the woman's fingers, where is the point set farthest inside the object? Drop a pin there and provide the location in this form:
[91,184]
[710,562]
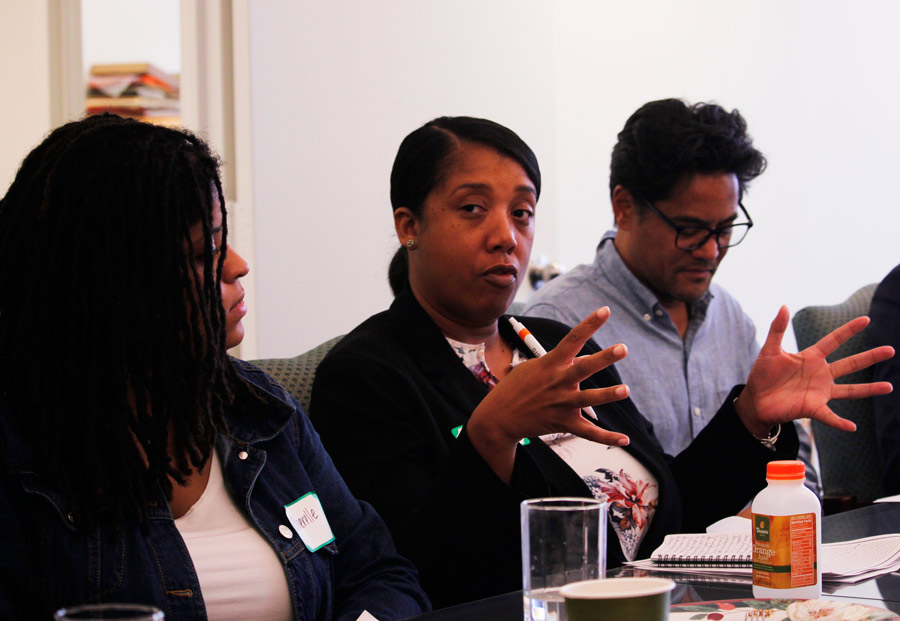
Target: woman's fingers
[841,335]
[572,343]
[776,332]
[545,392]
[827,416]
[585,366]
[601,396]
[864,359]
[583,427]
[592,432]
[860,391]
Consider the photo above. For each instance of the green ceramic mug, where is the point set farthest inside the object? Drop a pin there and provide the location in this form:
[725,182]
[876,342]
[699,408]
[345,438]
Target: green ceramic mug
[618,598]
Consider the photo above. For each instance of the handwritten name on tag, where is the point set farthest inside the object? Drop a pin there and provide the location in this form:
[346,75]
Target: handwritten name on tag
[308,518]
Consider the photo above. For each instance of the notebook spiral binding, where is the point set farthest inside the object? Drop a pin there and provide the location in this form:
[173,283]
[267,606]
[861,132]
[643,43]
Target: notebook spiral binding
[734,560]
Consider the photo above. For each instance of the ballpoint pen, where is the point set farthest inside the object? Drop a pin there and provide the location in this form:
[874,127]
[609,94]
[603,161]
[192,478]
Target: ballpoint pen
[538,351]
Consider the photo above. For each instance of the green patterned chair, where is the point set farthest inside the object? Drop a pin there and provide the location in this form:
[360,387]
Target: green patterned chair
[296,374]
[849,462]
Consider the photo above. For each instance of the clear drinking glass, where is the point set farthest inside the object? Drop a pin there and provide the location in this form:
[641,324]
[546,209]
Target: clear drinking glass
[563,541]
[109,612]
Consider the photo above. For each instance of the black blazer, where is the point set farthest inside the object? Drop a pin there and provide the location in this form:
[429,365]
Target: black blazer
[385,400]
[885,330]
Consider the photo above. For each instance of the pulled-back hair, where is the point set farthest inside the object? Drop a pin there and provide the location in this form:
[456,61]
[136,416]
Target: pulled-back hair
[112,340]
[424,160]
[667,141]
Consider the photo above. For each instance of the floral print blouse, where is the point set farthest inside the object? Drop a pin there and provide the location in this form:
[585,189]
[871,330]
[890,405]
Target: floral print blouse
[610,472]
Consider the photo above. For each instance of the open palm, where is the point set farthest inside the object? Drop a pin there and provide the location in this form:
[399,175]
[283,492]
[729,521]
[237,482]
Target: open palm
[783,386]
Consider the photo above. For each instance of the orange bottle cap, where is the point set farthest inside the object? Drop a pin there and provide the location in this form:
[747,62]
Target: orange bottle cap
[785,470]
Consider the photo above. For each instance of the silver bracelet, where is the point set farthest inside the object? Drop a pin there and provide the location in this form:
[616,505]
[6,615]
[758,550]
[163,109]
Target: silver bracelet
[769,440]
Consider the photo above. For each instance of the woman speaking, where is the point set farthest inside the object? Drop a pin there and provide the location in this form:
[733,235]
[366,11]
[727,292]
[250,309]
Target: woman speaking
[437,413]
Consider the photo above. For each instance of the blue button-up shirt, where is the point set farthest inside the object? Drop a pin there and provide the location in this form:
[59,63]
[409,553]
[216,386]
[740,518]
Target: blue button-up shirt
[270,456]
[678,384]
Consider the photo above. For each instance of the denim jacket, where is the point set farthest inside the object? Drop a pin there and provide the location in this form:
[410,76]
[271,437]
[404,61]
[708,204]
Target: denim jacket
[270,457]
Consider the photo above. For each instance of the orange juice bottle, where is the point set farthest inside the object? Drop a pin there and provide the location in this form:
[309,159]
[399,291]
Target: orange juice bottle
[787,535]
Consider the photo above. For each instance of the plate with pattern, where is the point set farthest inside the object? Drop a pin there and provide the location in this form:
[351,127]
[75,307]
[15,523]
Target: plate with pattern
[778,610]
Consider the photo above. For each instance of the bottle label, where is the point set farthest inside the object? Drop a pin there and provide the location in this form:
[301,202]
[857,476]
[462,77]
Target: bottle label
[784,550]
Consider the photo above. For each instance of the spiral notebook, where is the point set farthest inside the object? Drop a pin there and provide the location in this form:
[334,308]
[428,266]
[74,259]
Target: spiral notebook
[731,555]
[704,550]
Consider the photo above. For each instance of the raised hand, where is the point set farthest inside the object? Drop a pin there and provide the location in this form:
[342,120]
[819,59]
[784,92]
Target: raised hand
[783,386]
[543,396]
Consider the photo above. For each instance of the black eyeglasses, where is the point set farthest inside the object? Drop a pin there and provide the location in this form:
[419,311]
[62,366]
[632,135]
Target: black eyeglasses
[693,237]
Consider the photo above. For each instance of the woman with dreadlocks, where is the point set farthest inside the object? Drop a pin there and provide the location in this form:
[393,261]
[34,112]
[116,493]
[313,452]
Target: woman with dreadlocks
[138,461]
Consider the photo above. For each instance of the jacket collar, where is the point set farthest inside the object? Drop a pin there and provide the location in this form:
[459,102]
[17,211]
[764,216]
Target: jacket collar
[421,336]
[249,420]
[432,354]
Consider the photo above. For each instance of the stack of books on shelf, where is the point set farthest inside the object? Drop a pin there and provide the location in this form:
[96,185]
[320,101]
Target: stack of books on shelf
[135,90]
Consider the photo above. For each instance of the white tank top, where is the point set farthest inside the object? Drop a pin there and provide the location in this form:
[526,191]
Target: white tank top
[239,572]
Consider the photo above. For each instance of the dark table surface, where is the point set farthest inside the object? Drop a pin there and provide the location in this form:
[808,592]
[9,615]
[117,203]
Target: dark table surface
[881,592]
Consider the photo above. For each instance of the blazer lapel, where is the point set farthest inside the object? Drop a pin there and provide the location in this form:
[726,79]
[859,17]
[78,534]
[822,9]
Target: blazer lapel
[434,356]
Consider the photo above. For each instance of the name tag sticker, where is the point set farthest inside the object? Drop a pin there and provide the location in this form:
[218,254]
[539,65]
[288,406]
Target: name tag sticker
[308,518]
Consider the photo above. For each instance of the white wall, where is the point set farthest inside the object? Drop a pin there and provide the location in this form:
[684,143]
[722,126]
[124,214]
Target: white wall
[336,86]
[114,31]
[125,31]
[818,83]
[24,75]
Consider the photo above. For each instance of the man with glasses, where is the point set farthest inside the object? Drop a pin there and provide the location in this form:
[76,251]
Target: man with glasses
[677,179]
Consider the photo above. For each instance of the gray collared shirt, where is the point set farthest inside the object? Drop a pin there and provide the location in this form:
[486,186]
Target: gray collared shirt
[678,384]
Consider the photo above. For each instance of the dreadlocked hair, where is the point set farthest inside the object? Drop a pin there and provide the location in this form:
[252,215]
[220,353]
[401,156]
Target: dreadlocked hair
[112,339]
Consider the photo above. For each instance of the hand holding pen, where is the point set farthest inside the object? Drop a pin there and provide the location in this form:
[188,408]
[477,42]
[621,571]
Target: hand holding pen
[544,395]
[538,351]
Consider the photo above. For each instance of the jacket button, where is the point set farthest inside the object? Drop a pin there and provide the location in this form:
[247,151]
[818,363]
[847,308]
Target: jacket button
[285,531]
[243,455]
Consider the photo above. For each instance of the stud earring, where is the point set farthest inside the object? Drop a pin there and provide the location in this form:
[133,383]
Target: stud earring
[411,243]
